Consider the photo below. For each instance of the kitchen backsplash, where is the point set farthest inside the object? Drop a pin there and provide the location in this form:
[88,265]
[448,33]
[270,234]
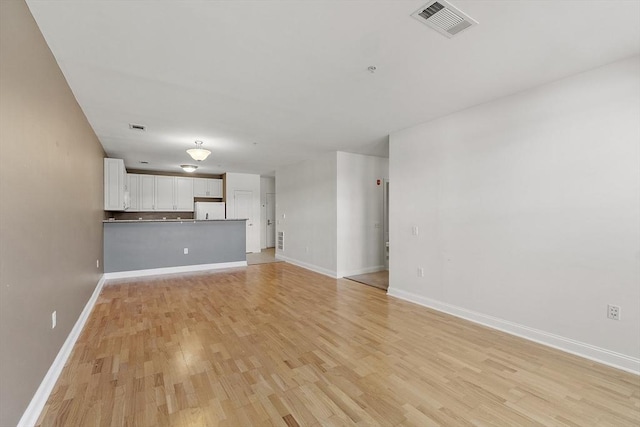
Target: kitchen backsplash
[148,215]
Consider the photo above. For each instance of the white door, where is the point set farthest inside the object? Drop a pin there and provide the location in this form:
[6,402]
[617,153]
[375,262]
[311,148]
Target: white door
[271,220]
[243,203]
[164,193]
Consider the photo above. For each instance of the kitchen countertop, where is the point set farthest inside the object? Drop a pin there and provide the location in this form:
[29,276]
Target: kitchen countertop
[170,220]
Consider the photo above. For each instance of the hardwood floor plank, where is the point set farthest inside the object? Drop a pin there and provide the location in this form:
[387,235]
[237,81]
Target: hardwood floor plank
[274,344]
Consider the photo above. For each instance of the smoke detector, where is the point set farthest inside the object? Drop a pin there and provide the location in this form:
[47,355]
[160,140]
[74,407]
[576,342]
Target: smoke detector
[443,17]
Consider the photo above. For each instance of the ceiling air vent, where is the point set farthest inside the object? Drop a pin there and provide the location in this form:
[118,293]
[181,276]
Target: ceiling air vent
[444,18]
[133,126]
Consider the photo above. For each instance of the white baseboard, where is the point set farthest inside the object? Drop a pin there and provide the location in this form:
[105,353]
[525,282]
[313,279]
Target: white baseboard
[31,414]
[311,267]
[373,269]
[588,351]
[173,270]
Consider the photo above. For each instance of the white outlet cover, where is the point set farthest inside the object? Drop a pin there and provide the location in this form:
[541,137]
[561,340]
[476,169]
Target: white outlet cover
[186,251]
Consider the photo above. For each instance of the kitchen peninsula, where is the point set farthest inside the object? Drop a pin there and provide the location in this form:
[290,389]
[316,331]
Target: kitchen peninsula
[146,247]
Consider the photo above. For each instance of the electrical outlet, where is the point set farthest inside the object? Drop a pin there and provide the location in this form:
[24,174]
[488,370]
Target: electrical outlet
[414,230]
[186,251]
[613,312]
[97,263]
[53,319]
[420,272]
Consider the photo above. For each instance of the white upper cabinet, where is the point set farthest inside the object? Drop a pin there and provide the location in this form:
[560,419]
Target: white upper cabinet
[115,185]
[147,193]
[174,193]
[141,192]
[183,194]
[164,193]
[133,186]
[207,187]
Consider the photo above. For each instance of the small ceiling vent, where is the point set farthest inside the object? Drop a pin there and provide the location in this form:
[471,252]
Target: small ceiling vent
[134,126]
[444,18]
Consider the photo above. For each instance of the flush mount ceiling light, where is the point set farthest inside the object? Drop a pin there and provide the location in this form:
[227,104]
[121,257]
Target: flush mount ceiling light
[198,154]
[189,168]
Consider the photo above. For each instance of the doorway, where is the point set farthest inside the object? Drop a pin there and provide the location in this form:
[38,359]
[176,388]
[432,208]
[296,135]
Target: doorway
[380,279]
[385,224]
[271,220]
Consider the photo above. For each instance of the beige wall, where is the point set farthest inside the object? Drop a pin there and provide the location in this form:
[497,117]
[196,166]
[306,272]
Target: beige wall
[50,209]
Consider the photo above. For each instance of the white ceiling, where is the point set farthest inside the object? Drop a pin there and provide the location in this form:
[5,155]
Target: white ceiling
[268,83]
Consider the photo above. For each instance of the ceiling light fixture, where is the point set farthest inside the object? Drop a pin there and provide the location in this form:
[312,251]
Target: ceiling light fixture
[198,154]
[189,168]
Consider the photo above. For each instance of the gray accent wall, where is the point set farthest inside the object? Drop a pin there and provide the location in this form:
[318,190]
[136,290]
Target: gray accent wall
[144,245]
[50,209]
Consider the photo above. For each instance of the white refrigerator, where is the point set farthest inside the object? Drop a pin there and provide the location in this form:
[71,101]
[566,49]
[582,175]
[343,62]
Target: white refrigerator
[209,210]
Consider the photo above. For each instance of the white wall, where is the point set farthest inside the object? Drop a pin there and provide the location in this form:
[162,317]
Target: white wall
[246,182]
[267,185]
[360,213]
[528,211]
[306,212]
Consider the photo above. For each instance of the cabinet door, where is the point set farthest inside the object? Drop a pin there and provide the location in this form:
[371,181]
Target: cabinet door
[164,193]
[200,187]
[114,184]
[215,188]
[133,186]
[146,192]
[183,194]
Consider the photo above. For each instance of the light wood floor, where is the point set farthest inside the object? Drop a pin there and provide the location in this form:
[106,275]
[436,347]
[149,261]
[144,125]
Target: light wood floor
[275,344]
[265,256]
[379,279]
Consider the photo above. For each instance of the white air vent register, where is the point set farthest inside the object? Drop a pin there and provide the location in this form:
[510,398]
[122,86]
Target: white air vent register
[444,18]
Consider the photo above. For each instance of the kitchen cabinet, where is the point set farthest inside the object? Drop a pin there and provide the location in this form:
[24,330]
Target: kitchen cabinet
[183,194]
[207,187]
[164,193]
[141,192]
[174,193]
[147,192]
[133,186]
[115,185]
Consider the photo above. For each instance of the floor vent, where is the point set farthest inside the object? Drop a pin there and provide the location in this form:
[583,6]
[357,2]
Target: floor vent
[444,18]
[281,240]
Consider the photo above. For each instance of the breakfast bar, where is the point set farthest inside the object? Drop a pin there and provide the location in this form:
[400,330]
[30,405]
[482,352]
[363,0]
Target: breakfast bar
[146,247]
